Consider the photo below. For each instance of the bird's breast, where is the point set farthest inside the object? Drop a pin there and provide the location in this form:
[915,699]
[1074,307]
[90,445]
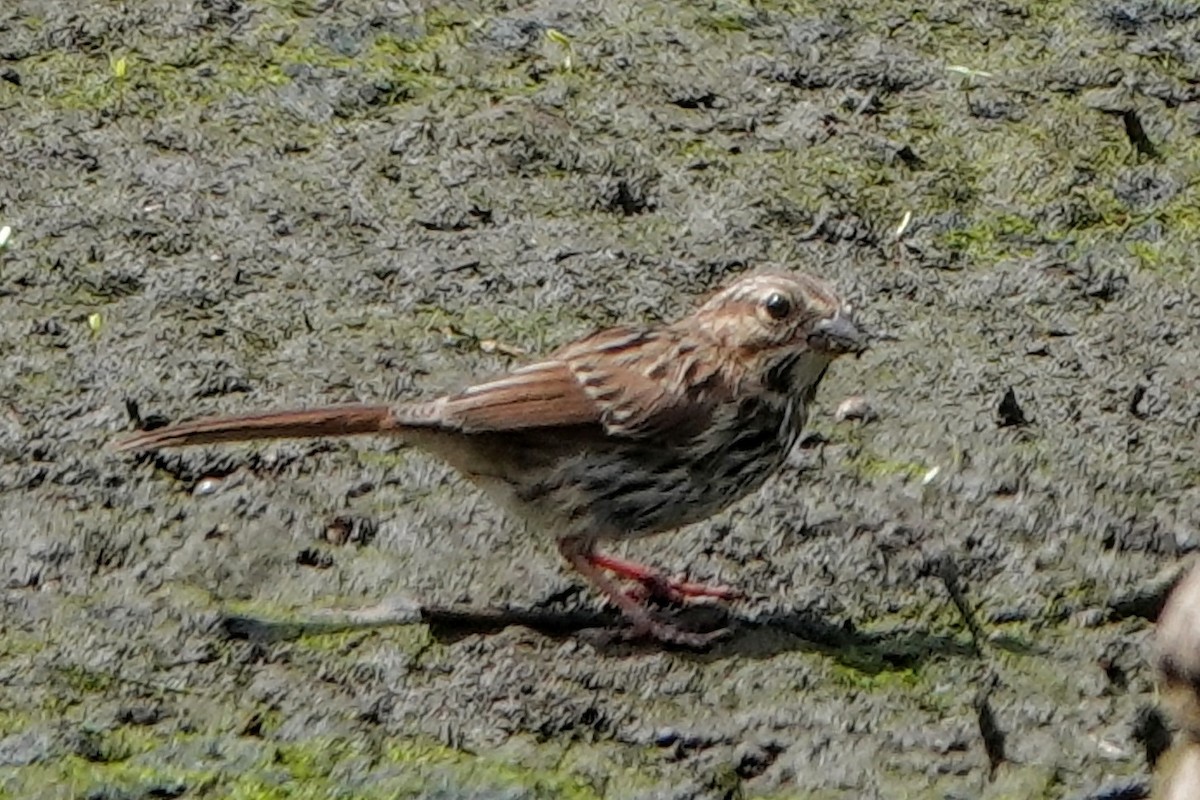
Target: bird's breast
[610,488]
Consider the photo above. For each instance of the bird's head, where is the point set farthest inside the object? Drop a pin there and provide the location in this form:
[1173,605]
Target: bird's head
[785,327]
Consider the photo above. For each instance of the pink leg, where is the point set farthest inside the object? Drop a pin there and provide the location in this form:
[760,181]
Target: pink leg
[578,555]
[658,585]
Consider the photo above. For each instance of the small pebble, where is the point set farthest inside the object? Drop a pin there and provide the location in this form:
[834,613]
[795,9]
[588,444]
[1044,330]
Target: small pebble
[206,486]
[855,407]
[345,529]
[1113,750]
[665,737]
[338,531]
[1089,618]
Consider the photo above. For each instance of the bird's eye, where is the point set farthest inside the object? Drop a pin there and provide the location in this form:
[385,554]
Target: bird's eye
[777,305]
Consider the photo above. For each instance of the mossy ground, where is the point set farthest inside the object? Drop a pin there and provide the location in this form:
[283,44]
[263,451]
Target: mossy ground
[242,205]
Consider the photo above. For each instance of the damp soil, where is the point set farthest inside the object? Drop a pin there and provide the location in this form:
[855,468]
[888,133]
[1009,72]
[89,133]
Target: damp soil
[225,205]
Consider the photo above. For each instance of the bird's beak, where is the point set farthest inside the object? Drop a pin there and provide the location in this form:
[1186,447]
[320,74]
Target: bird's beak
[839,335]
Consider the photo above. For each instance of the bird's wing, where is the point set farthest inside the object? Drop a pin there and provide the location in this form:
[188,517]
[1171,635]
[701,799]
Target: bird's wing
[541,395]
[631,383]
[626,383]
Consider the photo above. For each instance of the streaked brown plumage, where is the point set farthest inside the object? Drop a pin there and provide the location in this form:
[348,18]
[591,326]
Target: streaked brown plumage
[1177,657]
[1177,646]
[624,433]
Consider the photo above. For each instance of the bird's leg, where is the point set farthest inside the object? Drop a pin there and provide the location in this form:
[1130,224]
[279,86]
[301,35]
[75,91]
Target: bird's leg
[655,584]
[578,553]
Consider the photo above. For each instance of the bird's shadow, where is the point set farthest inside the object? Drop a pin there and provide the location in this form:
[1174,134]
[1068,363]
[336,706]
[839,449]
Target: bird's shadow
[759,637]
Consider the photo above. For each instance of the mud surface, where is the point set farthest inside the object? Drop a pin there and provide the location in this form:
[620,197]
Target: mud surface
[222,206]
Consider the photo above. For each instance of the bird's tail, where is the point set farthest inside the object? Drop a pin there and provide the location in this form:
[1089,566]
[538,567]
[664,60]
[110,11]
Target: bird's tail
[348,420]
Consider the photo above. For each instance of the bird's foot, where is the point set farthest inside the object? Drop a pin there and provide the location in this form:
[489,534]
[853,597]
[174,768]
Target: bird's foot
[654,585]
[643,624]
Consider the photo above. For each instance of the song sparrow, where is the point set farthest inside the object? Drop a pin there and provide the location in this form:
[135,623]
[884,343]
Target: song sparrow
[626,432]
